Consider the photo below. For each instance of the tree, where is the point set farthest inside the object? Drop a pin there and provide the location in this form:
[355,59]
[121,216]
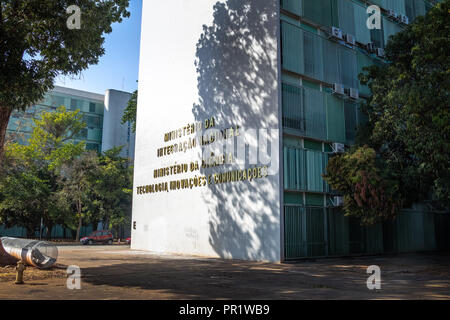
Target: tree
[409,120]
[112,190]
[371,192]
[29,173]
[23,197]
[76,181]
[36,46]
[130,112]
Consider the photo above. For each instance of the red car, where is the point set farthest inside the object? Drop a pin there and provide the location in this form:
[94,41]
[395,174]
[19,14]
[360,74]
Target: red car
[99,236]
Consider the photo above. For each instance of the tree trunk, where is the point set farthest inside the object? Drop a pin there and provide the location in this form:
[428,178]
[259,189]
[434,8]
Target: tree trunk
[80,221]
[106,225]
[5,114]
[49,231]
[31,234]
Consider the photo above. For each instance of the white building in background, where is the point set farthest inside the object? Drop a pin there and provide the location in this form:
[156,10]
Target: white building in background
[114,132]
[102,115]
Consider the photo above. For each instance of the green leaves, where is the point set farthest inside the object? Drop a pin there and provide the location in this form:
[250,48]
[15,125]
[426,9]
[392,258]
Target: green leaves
[408,129]
[131,111]
[370,191]
[112,189]
[55,178]
[50,144]
[28,176]
[36,46]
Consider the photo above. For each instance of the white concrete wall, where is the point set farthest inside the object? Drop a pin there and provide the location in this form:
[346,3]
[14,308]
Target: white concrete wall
[114,132]
[203,59]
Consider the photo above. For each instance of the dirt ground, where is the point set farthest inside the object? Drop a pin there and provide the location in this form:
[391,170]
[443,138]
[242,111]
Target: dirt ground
[116,272]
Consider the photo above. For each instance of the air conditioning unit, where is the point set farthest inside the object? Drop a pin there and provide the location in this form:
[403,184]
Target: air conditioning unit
[354,93]
[349,38]
[370,47]
[338,147]
[404,19]
[380,52]
[336,33]
[338,88]
[392,14]
[338,201]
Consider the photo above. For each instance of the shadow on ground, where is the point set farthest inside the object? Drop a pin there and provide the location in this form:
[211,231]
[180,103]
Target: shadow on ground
[332,279]
[201,280]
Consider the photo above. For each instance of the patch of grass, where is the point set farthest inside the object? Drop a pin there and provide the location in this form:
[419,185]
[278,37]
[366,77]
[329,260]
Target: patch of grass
[8,273]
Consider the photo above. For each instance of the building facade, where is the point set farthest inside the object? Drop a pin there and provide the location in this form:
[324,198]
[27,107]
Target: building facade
[230,163]
[114,132]
[101,113]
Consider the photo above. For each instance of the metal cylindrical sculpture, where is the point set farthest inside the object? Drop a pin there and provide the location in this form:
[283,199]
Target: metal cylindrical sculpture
[36,253]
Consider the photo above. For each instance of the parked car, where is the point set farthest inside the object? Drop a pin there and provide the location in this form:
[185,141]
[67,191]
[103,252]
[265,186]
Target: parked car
[99,236]
[128,241]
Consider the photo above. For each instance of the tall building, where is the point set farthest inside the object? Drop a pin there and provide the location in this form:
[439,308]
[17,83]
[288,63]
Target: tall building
[114,132]
[101,113]
[229,163]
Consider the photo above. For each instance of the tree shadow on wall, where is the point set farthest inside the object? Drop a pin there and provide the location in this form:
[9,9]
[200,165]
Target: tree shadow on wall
[238,85]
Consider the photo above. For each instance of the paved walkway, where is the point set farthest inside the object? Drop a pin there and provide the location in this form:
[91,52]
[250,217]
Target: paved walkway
[116,272]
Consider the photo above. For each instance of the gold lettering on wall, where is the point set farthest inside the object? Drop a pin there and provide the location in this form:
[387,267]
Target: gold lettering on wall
[211,161]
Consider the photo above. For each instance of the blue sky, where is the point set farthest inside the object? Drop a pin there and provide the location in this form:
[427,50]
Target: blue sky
[119,67]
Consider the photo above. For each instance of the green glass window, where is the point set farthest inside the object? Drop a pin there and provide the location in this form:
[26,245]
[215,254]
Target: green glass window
[293,107]
[304,232]
[312,145]
[310,54]
[318,11]
[293,198]
[331,62]
[294,6]
[294,169]
[315,114]
[397,5]
[313,66]
[92,107]
[390,28]
[57,101]
[351,122]
[292,48]
[335,119]
[362,33]
[346,14]
[315,200]
[377,36]
[315,169]
[95,134]
[75,104]
[92,121]
[348,68]
[363,61]
[303,170]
